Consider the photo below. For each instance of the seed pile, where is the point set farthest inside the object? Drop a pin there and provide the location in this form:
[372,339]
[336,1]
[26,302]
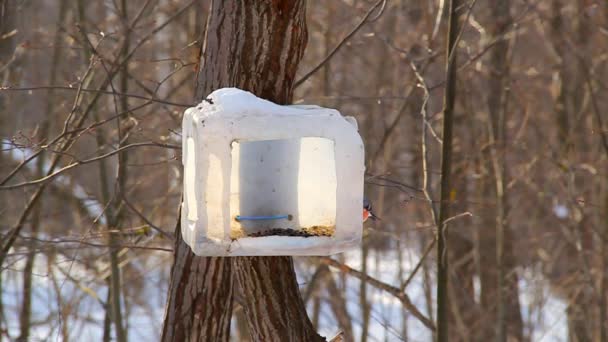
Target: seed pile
[305,232]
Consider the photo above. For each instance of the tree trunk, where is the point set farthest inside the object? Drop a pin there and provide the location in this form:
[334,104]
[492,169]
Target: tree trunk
[274,308]
[509,324]
[255,46]
[568,99]
[454,24]
[199,306]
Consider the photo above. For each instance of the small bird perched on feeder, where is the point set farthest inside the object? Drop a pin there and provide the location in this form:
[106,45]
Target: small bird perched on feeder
[367,211]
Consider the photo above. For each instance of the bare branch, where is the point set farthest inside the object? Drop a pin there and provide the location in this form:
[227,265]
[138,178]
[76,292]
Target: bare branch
[83,162]
[402,296]
[145,219]
[101,91]
[365,19]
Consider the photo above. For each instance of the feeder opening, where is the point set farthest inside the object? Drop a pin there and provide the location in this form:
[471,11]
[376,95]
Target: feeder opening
[283,187]
[189,175]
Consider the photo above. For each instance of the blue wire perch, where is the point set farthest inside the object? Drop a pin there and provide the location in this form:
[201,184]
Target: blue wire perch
[263,218]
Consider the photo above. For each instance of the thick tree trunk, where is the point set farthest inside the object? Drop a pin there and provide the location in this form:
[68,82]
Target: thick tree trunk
[274,309]
[199,306]
[255,46]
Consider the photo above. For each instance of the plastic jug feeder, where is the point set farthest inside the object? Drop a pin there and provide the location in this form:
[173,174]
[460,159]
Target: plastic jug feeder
[265,179]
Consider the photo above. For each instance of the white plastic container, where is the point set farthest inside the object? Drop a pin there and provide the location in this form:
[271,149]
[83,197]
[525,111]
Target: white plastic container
[260,178]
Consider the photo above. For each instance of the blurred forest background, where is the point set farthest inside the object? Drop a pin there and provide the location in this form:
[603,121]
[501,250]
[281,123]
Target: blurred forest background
[90,167]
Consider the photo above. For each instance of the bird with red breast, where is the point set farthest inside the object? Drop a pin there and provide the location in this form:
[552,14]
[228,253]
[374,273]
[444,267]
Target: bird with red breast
[367,211]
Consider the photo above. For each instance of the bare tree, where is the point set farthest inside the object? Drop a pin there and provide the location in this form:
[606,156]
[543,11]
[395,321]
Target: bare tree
[503,293]
[273,307]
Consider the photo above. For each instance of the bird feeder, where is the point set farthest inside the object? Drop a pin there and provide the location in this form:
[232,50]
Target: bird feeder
[266,179]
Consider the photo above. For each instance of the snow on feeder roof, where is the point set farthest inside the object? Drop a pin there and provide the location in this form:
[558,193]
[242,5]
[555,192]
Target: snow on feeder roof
[265,179]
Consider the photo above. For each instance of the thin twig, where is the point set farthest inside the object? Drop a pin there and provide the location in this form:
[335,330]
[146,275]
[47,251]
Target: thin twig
[145,219]
[363,21]
[83,162]
[105,92]
[426,252]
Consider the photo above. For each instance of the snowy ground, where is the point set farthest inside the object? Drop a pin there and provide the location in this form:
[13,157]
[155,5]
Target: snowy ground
[547,315]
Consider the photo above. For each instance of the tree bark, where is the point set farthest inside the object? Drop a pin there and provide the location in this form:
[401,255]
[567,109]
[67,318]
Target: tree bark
[274,308]
[568,103]
[199,304]
[449,97]
[255,46]
[509,323]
